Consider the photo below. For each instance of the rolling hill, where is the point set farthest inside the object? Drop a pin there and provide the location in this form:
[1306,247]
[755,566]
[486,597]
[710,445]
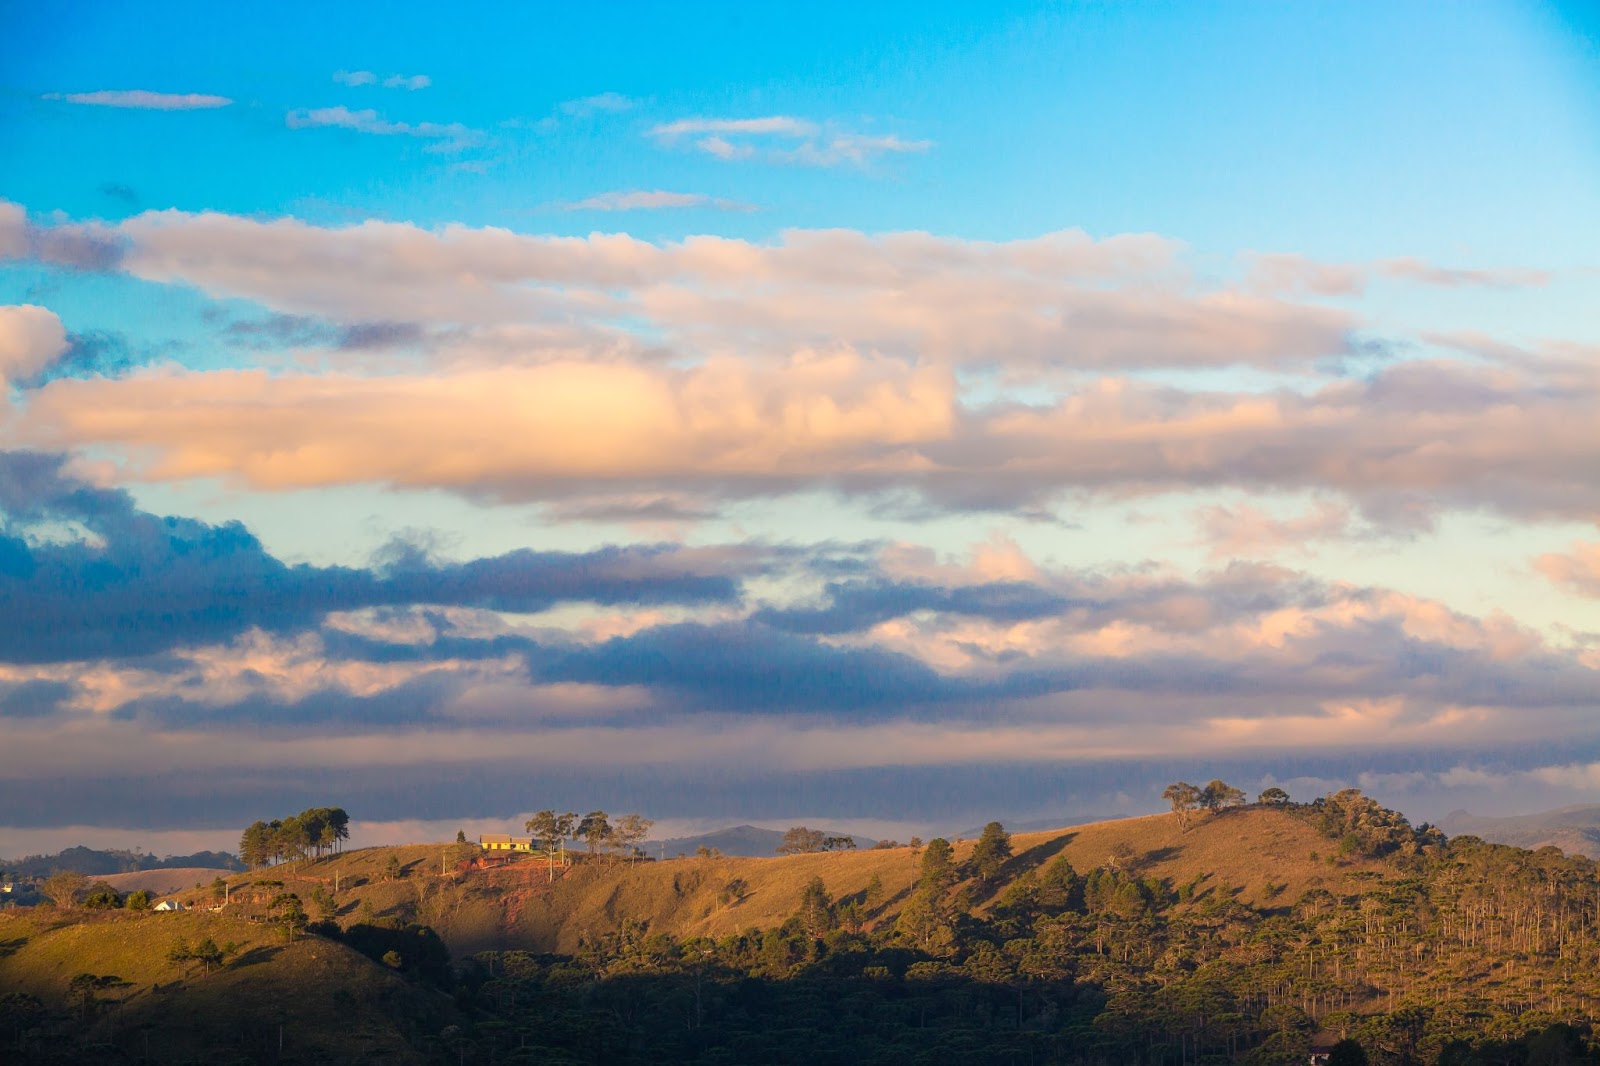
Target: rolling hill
[322,1000]
[1575,830]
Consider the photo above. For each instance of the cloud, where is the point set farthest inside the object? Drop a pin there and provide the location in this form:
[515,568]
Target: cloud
[31,338]
[1577,570]
[137,584]
[911,671]
[1287,272]
[1244,530]
[783,139]
[654,200]
[357,78]
[144,99]
[1062,300]
[600,103]
[447,137]
[1413,440]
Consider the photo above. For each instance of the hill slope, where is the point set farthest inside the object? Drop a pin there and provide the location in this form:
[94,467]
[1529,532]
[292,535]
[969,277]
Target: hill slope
[1259,856]
[331,1003]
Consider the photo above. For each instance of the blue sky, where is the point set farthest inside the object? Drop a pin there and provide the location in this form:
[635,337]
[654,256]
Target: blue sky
[1130,384]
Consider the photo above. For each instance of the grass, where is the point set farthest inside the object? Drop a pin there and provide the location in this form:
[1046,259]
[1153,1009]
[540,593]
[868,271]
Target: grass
[332,1003]
[1262,856]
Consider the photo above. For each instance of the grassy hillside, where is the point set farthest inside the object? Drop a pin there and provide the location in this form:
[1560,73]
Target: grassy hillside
[331,1003]
[1259,856]
[162,882]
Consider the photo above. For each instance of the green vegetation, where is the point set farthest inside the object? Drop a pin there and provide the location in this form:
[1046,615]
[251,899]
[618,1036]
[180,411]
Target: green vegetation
[1225,932]
[314,832]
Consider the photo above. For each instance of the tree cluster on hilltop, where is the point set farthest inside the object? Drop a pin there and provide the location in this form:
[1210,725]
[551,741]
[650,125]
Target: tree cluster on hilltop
[313,832]
[599,834]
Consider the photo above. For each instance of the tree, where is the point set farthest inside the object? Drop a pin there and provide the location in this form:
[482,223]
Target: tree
[461,836]
[137,900]
[255,846]
[327,907]
[63,887]
[594,830]
[1184,798]
[816,909]
[800,840]
[844,843]
[391,869]
[288,914]
[550,830]
[102,897]
[992,851]
[1219,794]
[630,833]
[1347,1052]
[938,866]
[1274,797]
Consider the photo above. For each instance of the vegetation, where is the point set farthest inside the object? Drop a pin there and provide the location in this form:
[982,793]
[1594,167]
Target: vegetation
[313,832]
[1227,933]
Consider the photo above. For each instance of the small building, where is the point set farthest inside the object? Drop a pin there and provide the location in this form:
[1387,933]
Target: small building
[168,905]
[500,842]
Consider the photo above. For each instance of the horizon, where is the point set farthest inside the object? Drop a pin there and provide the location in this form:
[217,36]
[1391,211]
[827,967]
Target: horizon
[887,418]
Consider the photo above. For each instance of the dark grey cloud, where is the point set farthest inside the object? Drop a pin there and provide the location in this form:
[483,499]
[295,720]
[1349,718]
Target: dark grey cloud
[746,667]
[143,583]
[33,699]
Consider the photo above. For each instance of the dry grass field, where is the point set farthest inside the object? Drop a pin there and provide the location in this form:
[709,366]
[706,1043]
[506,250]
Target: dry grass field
[1263,856]
[331,1003]
[163,882]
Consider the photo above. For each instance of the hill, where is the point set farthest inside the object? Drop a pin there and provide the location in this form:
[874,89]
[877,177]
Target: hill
[1254,856]
[1575,830]
[743,840]
[96,863]
[1234,937]
[324,1001]
[160,882]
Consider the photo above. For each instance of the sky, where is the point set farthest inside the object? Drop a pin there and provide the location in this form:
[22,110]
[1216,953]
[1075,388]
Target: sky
[885,416]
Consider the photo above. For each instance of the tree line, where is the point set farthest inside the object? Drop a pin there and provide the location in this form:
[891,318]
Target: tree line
[313,832]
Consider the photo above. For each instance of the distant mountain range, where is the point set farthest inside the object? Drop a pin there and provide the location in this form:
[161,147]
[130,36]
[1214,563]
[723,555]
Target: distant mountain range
[743,840]
[1575,830]
[93,863]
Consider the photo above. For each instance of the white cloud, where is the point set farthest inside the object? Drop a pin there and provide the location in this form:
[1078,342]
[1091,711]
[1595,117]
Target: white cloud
[144,99]
[357,78]
[408,82]
[654,200]
[600,103]
[784,139]
[448,137]
[31,338]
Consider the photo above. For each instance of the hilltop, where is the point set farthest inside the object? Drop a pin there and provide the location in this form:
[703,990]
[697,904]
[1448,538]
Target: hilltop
[1256,856]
